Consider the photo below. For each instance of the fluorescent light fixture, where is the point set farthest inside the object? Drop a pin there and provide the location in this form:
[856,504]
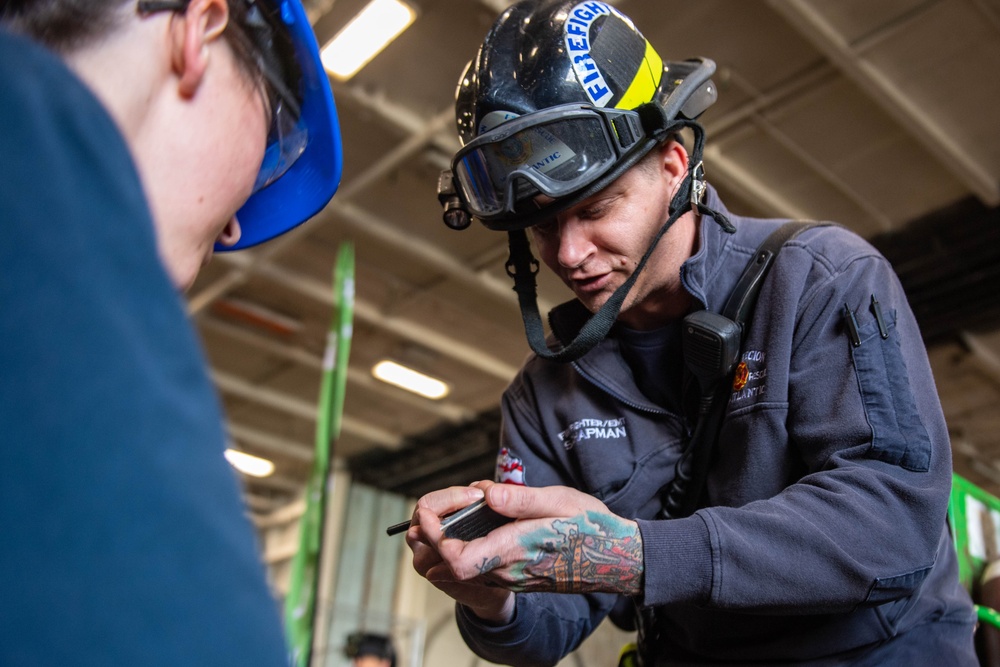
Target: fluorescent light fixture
[249,464]
[380,22]
[410,380]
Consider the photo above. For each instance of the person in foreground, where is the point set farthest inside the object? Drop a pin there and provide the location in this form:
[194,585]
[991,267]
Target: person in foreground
[138,136]
[811,529]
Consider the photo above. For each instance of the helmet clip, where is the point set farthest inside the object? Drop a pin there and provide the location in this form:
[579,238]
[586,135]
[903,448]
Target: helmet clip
[698,185]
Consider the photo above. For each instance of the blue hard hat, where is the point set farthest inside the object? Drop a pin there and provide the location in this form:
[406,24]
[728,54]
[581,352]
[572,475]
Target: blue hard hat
[293,186]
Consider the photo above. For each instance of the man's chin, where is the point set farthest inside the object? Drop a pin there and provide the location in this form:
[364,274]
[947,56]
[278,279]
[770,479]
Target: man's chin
[593,302]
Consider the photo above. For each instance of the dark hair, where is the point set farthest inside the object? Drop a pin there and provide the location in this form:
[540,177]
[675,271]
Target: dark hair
[67,25]
[361,644]
[61,25]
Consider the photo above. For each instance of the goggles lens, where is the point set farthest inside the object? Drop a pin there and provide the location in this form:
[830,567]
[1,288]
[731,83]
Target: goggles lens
[288,136]
[286,141]
[555,153]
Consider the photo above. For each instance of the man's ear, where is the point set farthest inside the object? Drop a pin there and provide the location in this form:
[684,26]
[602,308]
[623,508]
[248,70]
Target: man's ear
[192,33]
[673,161]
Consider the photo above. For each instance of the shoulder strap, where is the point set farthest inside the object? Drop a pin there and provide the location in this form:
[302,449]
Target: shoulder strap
[740,305]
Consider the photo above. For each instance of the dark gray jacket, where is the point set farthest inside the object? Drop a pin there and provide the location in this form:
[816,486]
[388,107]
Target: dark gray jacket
[823,538]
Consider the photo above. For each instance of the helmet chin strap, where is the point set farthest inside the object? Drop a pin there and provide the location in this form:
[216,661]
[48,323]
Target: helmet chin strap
[522,267]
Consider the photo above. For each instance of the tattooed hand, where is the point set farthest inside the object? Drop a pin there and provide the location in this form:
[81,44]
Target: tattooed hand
[482,596]
[564,541]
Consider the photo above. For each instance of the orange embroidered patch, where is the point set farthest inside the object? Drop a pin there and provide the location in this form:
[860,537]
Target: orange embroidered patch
[741,377]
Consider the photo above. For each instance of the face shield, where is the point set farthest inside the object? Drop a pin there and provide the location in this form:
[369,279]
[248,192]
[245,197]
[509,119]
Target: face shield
[303,157]
[287,139]
[554,153]
[288,135]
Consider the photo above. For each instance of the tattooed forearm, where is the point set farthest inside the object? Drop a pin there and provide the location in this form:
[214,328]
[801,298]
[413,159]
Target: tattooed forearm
[489,565]
[593,552]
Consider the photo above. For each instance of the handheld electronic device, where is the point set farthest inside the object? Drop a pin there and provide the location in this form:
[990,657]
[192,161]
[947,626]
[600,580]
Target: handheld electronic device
[468,523]
[473,521]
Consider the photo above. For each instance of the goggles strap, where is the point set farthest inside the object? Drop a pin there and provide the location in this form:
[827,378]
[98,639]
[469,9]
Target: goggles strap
[522,267]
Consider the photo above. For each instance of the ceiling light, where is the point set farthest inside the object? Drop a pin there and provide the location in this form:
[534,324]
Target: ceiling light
[380,22]
[410,380]
[249,464]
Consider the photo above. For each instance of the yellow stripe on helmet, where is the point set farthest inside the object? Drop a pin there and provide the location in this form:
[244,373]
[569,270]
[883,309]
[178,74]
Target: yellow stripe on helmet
[646,81]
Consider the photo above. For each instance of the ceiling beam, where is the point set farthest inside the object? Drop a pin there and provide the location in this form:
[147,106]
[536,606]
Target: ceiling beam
[747,186]
[757,114]
[824,172]
[284,515]
[270,443]
[451,412]
[237,386]
[977,461]
[261,505]
[260,255]
[369,313]
[274,482]
[719,168]
[422,133]
[989,360]
[886,93]
[247,263]
[426,253]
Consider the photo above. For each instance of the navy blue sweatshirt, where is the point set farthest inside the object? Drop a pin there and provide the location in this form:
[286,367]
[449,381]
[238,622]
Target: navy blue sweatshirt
[124,538]
[822,538]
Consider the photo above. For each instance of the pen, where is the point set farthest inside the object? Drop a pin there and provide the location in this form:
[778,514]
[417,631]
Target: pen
[397,528]
[852,326]
[878,318]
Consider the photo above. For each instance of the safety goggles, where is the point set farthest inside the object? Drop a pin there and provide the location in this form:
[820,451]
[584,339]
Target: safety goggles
[286,141]
[554,152]
[288,135]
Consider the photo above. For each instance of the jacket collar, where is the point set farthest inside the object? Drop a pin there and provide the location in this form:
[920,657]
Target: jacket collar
[703,274]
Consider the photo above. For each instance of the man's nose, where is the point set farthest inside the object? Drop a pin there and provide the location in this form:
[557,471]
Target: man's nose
[575,245]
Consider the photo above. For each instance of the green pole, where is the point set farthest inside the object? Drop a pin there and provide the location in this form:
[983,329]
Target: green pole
[300,605]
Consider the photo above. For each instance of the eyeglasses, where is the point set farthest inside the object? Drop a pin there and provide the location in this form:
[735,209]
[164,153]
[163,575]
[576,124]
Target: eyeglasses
[264,35]
[553,152]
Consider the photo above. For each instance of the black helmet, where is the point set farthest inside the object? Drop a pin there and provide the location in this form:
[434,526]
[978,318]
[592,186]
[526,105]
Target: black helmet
[563,97]
[578,75]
